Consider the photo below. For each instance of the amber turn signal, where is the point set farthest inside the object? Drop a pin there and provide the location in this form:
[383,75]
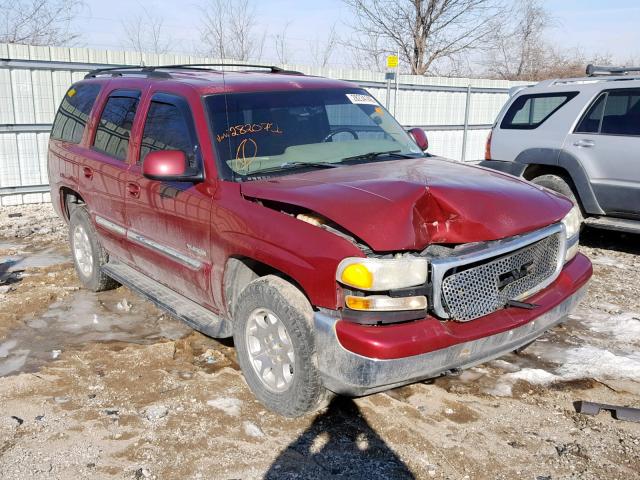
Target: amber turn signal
[385,303]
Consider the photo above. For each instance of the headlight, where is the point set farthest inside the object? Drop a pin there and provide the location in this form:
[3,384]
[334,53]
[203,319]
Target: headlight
[379,274]
[572,229]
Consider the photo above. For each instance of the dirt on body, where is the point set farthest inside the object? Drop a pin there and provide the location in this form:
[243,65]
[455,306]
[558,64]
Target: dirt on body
[107,386]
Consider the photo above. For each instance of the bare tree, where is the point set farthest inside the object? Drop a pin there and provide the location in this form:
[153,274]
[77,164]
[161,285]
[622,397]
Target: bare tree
[519,50]
[145,33]
[423,31]
[281,44]
[228,30]
[38,22]
[321,50]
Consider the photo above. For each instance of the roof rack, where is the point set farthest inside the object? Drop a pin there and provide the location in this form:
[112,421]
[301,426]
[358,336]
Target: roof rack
[120,71]
[594,71]
[158,71]
[204,66]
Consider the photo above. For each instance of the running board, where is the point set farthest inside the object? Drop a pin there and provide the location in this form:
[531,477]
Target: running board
[611,223]
[180,307]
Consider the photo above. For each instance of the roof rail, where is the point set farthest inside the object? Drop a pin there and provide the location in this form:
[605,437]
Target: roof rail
[594,71]
[157,71]
[123,70]
[204,66]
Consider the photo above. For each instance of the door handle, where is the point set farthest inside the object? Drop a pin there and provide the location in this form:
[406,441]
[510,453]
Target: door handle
[584,143]
[133,189]
[88,172]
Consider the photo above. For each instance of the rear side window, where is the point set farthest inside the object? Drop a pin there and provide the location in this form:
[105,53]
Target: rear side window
[73,113]
[614,112]
[116,121]
[530,111]
[169,127]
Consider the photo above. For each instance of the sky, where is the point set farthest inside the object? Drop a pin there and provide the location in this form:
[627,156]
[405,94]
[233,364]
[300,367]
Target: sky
[594,26]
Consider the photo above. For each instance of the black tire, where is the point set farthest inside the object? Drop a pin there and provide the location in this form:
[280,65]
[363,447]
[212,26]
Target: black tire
[305,392]
[560,185]
[94,280]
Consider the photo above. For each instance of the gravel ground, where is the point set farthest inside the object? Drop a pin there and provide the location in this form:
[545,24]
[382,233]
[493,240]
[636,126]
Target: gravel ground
[106,386]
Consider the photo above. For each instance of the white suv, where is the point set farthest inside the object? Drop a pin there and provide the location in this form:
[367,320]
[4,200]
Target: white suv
[579,137]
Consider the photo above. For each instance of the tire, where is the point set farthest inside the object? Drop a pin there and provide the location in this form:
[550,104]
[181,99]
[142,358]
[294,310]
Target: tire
[297,389]
[87,253]
[559,185]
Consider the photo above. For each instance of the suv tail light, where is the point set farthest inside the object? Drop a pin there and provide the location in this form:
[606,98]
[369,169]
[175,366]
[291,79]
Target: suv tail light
[487,147]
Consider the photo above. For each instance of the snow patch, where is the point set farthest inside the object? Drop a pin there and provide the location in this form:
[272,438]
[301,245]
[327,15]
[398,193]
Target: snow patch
[593,362]
[229,405]
[624,327]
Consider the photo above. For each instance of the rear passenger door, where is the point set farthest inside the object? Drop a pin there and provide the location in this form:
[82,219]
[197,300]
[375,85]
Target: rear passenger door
[67,143]
[103,173]
[169,222]
[606,140]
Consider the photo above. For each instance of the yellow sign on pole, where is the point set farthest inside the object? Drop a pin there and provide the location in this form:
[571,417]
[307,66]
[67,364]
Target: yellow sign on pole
[392,61]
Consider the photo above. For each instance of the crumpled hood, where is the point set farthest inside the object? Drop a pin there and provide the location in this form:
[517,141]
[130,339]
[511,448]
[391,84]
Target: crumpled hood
[409,204]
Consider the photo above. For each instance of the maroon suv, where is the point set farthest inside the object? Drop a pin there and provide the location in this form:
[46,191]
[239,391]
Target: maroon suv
[296,215]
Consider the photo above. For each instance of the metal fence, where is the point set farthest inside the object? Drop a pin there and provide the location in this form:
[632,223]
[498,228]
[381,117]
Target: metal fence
[456,113]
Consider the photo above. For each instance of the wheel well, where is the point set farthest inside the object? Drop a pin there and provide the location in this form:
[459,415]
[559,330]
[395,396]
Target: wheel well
[70,199]
[534,171]
[240,271]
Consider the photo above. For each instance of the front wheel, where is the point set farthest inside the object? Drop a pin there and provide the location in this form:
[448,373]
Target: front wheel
[274,340]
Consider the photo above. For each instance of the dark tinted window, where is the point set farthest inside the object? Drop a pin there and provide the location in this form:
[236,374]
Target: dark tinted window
[114,129]
[590,123]
[73,113]
[530,111]
[615,112]
[168,127]
[622,113]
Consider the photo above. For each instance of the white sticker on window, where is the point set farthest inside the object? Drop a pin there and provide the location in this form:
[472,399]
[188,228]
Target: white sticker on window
[361,99]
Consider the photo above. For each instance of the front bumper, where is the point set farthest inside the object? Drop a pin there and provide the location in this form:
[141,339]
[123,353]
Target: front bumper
[349,373]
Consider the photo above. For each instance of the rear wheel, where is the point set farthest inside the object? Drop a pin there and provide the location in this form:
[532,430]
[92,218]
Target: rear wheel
[274,340]
[560,185]
[88,255]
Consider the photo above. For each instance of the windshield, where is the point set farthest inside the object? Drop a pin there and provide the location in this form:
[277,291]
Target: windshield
[277,132]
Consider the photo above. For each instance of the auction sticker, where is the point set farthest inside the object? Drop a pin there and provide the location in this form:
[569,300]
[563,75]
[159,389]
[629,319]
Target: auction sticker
[360,99]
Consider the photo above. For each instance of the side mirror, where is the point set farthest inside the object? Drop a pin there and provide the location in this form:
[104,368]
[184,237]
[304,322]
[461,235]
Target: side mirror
[420,138]
[169,166]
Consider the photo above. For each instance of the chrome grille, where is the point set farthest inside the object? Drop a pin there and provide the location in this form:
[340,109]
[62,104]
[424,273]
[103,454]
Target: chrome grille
[477,290]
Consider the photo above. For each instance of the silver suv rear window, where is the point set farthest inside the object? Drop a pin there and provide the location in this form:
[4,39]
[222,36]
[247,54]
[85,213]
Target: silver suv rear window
[530,111]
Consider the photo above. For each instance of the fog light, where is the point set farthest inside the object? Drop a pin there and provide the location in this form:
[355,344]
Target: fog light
[385,303]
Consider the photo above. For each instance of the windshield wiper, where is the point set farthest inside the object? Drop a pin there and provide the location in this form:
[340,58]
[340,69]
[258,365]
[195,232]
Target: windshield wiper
[374,155]
[290,165]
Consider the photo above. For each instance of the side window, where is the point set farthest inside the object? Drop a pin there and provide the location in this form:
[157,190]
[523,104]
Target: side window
[116,121]
[590,123]
[73,113]
[615,112]
[169,127]
[622,113]
[530,111]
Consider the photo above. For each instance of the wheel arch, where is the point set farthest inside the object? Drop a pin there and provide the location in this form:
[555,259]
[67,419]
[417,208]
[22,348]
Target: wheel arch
[241,270]
[69,199]
[541,161]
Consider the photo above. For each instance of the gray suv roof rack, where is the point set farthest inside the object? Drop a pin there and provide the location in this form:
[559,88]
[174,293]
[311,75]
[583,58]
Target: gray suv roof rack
[594,70]
[159,70]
